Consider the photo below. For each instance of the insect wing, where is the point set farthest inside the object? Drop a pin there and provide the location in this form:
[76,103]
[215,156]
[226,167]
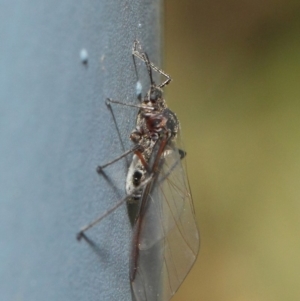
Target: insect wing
[169,239]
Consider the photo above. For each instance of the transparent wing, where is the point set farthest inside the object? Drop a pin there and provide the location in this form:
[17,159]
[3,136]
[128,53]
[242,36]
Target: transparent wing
[166,238]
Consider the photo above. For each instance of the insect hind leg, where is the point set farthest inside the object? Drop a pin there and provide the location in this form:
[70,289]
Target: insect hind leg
[81,233]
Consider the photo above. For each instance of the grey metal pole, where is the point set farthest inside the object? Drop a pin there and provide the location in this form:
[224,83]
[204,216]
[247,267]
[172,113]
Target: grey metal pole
[59,61]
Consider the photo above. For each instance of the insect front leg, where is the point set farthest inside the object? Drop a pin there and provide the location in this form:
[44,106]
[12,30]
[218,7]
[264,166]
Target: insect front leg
[145,107]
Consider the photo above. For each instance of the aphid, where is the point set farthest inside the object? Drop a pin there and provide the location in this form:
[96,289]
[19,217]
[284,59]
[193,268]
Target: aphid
[165,240]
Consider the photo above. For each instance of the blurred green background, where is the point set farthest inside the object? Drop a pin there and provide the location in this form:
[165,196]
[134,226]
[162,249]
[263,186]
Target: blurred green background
[236,90]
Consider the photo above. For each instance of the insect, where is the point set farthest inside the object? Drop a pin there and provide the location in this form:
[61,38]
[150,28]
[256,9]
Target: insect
[165,240]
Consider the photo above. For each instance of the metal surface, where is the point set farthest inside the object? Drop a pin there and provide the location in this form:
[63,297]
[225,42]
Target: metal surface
[59,60]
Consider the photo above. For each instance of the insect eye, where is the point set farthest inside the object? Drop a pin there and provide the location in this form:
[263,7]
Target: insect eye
[155,95]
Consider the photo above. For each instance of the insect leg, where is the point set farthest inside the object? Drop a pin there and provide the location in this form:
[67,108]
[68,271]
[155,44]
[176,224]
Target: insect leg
[109,100]
[80,234]
[136,148]
[96,221]
[117,128]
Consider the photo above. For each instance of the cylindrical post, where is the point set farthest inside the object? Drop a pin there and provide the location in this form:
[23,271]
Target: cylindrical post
[59,61]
